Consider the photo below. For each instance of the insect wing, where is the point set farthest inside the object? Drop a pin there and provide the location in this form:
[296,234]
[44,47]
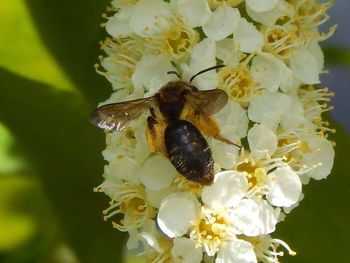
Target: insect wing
[116,116]
[207,101]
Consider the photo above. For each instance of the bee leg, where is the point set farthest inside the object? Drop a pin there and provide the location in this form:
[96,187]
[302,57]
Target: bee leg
[210,127]
[223,139]
[155,135]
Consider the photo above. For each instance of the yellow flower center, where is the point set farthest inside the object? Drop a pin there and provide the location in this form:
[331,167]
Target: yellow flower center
[237,82]
[281,41]
[176,41]
[255,174]
[211,231]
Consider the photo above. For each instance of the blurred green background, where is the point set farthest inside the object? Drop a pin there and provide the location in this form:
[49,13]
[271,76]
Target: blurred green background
[50,156]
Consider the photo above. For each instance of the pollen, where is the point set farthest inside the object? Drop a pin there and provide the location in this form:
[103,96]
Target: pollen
[130,201]
[281,41]
[211,231]
[238,83]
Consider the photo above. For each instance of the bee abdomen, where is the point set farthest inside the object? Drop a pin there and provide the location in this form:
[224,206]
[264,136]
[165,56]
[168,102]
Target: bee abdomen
[189,152]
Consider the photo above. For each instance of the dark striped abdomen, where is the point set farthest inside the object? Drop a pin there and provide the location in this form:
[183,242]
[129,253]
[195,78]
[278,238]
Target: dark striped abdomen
[189,152]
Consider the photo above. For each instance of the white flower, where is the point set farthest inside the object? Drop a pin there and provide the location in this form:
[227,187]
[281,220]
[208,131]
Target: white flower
[305,67]
[186,251]
[202,57]
[215,225]
[158,173]
[118,25]
[247,38]
[149,17]
[262,141]
[261,5]
[151,73]
[195,12]
[285,189]
[267,72]
[269,108]
[222,23]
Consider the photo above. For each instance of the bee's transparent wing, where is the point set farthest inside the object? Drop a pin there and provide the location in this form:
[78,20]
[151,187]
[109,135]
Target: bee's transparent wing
[208,102]
[116,116]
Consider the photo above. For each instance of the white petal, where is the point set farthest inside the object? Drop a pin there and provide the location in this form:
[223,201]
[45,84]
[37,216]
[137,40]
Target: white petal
[151,235]
[247,38]
[195,12]
[226,51]
[228,188]
[223,22]
[151,73]
[156,197]
[261,5]
[223,154]
[186,251]
[233,121]
[142,150]
[126,169]
[294,115]
[157,173]
[285,187]
[287,81]
[320,155]
[202,57]
[176,214]
[268,217]
[118,25]
[314,48]
[236,251]
[253,218]
[269,18]
[133,241]
[148,17]
[262,141]
[305,67]
[267,71]
[268,108]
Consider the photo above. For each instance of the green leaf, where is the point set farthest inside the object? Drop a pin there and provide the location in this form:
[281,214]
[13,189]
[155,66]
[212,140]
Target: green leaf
[51,127]
[71,31]
[337,56]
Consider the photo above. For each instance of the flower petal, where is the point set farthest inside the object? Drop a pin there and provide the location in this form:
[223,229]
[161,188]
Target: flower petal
[157,173]
[268,108]
[202,57]
[228,188]
[148,17]
[176,214]
[236,251]
[253,218]
[186,251]
[262,141]
[151,73]
[285,188]
[308,74]
[261,5]
[247,38]
[118,25]
[267,72]
[195,12]
[223,22]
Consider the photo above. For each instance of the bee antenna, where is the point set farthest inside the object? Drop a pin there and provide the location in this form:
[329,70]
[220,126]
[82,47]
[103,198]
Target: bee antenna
[174,72]
[205,70]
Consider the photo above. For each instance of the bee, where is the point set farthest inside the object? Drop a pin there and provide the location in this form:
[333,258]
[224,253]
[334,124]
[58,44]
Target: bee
[179,114]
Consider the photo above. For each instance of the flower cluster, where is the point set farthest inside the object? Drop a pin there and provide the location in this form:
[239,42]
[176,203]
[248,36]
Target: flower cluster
[272,58]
